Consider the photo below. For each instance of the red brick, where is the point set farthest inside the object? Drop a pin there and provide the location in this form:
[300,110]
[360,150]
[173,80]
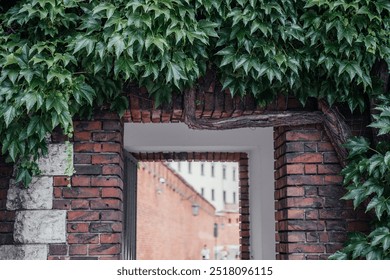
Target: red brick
[105,227]
[105,159]
[311,169]
[87,147]
[83,215]
[333,179]
[110,238]
[330,158]
[80,192]
[299,225]
[112,193]
[58,249]
[105,181]
[87,125]
[295,191]
[304,158]
[81,181]
[80,204]
[303,135]
[303,248]
[83,238]
[57,192]
[60,181]
[295,169]
[304,202]
[325,147]
[82,136]
[295,214]
[295,180]
[111,216]
[106,204]
[61,204]
[106,136]
[6,216]
[111,170]
[6,227]
[77,250]
[111,147]
[104,249]
[311,214]
[329,169]
[112,125]
[82,158]
[78,227]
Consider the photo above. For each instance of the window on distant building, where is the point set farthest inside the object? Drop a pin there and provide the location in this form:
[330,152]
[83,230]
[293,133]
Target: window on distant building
[212,195]
[234,197]
[189,168]
[212,170]
[179,166]
[224,172]
[234,174]
[202,169]
[202,191]
[224,196]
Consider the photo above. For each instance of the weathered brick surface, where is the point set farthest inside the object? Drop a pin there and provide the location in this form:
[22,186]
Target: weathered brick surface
[311,220]
[7,218]
[94,200]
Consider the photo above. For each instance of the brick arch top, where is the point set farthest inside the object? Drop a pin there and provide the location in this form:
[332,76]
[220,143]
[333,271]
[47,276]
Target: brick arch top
[212,103]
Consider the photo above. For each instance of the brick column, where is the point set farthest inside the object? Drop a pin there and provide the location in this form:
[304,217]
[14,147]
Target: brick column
[94,201]
[7,217]
[244,208]
[311,220]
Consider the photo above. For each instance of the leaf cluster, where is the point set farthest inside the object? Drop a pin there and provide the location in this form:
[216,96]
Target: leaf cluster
[367,178]
[61,58]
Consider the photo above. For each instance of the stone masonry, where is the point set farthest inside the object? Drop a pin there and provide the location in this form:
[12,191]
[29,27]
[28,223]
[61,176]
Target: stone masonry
[36,224]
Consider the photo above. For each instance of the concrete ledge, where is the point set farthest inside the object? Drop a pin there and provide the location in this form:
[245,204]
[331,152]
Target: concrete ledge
[23,252]
[40,226]
[39,195]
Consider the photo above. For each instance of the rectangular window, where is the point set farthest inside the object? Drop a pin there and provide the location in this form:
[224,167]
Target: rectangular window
[179,166]
[202,191]
[189,168]
[202,169]
[212,170]
[224,196]
[234,197]
[234,174]
[212,195]
[224,172]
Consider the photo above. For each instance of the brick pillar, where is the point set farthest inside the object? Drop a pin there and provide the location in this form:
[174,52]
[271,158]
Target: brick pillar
[94,201]
[311,220]
[244,208]
[7,217]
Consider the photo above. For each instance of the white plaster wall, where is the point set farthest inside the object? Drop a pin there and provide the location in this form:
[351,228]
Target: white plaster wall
[258,143]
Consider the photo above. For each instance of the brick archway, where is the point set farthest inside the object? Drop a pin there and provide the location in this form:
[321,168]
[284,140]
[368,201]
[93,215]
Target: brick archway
[311,221]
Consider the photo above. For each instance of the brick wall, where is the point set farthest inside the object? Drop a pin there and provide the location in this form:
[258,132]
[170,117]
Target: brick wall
[311,220]
[94,202]
[166,227]
[7,218]
[242,158]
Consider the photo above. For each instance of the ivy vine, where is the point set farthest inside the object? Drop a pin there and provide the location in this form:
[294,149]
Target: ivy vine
[59,58]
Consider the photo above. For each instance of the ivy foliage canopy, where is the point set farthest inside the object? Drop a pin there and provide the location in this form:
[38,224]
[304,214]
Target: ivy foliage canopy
[59,58]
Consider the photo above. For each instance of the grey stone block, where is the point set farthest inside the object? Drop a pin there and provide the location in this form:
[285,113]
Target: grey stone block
[39,195]
[23,252]
[54,163]
[40,226]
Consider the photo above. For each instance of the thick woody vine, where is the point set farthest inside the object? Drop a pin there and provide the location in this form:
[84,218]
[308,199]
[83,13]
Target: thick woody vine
[59,59]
